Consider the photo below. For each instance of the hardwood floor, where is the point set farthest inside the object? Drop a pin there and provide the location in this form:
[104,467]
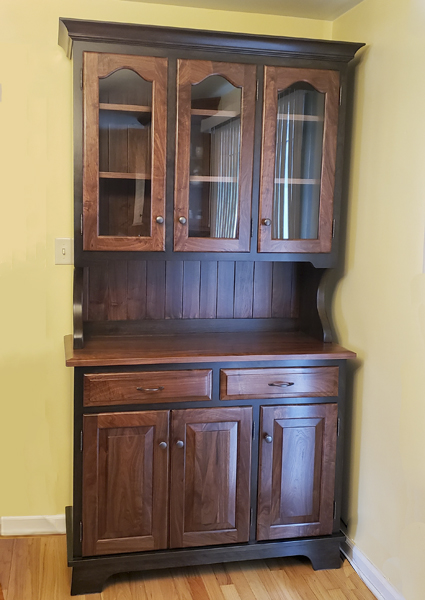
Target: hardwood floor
[34,568]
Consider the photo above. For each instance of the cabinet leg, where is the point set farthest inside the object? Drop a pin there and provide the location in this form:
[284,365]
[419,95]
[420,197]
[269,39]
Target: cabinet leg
[87,580]
[326,559]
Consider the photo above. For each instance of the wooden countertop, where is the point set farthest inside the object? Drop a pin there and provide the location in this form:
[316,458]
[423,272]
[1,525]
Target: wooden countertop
[200,347]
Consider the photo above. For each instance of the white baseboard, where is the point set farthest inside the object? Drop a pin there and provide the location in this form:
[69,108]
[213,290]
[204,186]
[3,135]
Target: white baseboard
[42,525]
[372,577]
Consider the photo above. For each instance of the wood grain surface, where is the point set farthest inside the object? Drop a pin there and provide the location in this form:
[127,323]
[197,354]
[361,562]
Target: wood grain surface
[296,471]
[295,382]
[134,290]
[154,386]
[125,482]
[200,347]
[326,82]
[210,476]
[36,569]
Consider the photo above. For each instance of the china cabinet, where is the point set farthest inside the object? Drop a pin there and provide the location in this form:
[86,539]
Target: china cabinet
[209,390]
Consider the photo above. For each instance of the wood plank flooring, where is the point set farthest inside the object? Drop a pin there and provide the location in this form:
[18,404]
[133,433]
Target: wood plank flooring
[34,568]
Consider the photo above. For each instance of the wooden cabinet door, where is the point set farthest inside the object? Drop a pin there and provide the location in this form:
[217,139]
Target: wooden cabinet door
[214,156]
[300,119]
[296,471]
[125,482]
[210,476]
[124,154]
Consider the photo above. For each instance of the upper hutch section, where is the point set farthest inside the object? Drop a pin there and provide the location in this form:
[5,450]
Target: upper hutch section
[199,142]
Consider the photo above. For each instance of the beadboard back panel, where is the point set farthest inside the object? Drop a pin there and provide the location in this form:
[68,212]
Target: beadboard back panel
[135,290]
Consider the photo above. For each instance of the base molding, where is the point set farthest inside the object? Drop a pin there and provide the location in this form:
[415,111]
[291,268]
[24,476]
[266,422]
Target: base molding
[34,525]
[370,575]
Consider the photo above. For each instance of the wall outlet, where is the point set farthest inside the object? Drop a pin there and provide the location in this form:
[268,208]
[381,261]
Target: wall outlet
[64,251]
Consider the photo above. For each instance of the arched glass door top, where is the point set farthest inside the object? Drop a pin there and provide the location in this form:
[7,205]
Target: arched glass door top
[214,150]
[298,163]
[298,160]
[124,152]
[215,135]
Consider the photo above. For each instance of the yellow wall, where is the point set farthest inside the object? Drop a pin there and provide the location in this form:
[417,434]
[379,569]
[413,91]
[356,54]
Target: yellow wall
[380,305]
[36,207]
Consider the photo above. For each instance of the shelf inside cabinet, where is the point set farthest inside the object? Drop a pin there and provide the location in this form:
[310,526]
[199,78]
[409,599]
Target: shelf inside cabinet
[295,181]
[112,175]
[204,112]
[213,178]
[200,347]
[125,107]
[297,117]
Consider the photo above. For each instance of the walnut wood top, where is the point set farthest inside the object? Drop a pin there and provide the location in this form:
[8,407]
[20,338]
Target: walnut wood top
[200,347]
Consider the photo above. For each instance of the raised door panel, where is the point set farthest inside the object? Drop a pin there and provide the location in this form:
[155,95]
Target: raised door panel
[124,153]
[300,122]
[125,482]
[214,156]
[297,471]
[210,476]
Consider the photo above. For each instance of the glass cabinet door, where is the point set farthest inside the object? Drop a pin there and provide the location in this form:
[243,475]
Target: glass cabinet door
[298,160]
[215,131]
[124,152]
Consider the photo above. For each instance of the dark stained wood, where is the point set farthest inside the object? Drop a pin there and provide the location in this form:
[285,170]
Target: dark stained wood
[327,82]
[208,290]
[155,289]
[210,476]
[71,30]
[136,290]
[103,389]
[174,289]
[201,347]
[290,382]
[244,273]
[78,307]
[191,72]
[191,287]
[125,482]
[115,151]
[296,471]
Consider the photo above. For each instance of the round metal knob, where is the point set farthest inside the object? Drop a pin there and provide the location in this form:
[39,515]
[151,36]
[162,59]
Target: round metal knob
[267,222]
[159,219]
[182,220]
[179,444]
[268,438]
[163,445]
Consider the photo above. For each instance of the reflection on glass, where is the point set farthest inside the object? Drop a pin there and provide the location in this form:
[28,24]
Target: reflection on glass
[299,140]
[214,159]
[125,154]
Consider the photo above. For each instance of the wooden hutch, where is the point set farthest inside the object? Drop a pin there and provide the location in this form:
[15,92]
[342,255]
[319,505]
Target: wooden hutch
[209,393]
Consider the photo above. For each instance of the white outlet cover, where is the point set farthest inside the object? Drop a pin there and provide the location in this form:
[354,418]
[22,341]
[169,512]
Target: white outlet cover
[64,251]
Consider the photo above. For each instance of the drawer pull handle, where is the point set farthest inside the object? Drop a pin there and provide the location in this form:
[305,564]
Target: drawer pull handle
[281,384]
[268,438]
[157,389]
[163,445]
[179,444]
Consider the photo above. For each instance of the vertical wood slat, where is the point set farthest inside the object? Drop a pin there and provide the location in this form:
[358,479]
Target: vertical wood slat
[155,289]
[282,289]
[174,289]
[118,305]
[225,289]
[137,290]
[208,291]
[262,303]
[244,273]
[191,285]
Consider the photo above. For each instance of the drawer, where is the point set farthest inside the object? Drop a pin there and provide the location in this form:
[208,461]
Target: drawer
[101,389]
[278,383]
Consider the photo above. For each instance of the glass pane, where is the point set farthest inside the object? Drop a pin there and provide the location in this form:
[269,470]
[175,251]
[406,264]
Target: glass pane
[214,159]
[125,154]
[299,141]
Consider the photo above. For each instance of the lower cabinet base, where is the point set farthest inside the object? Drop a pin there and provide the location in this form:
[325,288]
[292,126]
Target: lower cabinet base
[89,574]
